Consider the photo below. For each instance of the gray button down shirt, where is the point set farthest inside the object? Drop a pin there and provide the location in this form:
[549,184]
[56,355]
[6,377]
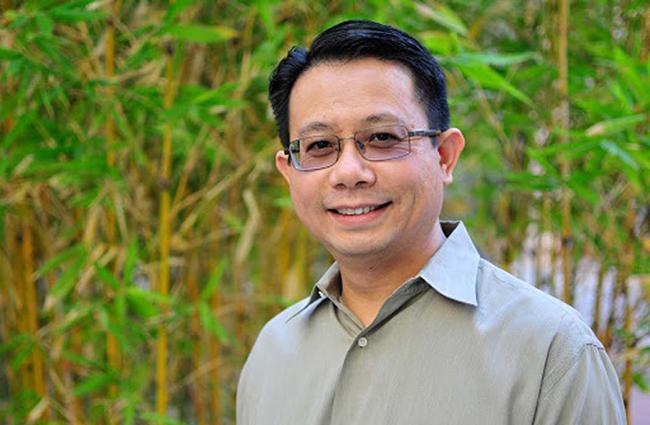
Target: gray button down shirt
[463,342]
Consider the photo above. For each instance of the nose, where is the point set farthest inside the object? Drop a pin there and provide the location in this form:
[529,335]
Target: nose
[351,170]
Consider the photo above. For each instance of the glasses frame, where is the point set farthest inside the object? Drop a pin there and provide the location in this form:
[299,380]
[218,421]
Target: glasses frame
[431,133]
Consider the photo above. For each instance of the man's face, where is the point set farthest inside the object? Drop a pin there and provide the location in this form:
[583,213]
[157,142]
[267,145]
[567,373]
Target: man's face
[359,208]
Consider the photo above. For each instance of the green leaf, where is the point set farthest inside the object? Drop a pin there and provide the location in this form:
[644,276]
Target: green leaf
[496,59]
[107,277]
[7,54]
[443,16]
[640,381]
[131,260]
[283,202]
[144,303]
[77,250]
[175,8]
[620,153]
[80,360]
[489,78]
[211,324]
[93,383]
[15,342]
[615,125]
[201,33]
[66,281]
[157,419]
[215,279]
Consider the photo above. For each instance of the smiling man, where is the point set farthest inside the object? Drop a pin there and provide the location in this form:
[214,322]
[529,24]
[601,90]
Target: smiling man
[409,325]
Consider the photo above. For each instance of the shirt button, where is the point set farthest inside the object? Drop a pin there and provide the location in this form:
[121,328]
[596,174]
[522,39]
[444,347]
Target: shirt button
[362,342]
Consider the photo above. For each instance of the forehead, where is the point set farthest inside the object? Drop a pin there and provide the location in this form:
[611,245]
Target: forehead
[343,95]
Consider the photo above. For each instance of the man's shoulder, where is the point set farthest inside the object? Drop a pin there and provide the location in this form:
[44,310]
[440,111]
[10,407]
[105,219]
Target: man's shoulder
[528,307]
[284,326]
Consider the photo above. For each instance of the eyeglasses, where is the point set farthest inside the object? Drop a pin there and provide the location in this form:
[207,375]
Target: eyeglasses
[374,144]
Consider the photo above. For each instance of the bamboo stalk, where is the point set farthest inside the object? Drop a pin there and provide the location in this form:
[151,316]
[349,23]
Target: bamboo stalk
[628,259]
[595,323]
[31,301]
[195,331]
[563,88]
[214,346]
[112,349]
[6,5]
[165,229]
[645,38]
[8,315]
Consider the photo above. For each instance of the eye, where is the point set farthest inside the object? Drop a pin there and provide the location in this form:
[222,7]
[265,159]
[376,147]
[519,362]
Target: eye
[383,138]
[318,146]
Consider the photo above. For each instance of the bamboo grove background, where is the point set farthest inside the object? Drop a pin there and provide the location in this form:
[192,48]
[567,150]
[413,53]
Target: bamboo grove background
[145,236]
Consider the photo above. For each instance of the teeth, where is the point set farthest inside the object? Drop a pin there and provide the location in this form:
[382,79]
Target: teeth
[355,211]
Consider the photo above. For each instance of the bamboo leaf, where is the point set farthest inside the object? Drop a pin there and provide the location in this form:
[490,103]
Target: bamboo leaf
[80,359]
[107,277]
[144,303]
[22,355]
[93,383]
[211,324]
[620,153]
[131,261]
[201,33]
[155,418]
[496,59]
[615,125]
[640,381]
[283,202]
[443,16]
[8,54]
[77,250]
[487,77]
[215,280]
[64,284]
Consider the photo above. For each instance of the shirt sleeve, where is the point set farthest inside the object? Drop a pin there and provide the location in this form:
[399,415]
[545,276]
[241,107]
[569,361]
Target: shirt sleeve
[582,390]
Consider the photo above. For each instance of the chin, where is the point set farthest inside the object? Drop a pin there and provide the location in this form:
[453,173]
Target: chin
[356,250]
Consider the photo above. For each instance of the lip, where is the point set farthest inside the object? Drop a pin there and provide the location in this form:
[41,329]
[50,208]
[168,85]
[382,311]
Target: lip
[378,209]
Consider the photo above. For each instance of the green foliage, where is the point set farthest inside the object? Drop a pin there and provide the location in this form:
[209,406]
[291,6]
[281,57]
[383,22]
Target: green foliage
[91,199]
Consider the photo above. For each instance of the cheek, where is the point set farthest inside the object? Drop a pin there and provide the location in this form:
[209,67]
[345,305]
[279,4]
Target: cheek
[304,200]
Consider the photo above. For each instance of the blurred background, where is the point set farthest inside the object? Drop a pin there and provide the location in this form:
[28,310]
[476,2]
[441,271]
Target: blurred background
[145,236]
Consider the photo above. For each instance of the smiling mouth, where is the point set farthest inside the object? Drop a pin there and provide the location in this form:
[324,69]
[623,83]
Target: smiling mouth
[360,210]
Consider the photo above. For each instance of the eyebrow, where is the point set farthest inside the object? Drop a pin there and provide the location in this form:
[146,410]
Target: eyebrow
[381,118]
[314,126]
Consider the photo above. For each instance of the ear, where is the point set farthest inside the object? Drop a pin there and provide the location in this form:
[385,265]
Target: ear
[283,165]
[450,145]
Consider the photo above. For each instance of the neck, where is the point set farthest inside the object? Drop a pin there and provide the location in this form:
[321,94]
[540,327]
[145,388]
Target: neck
[368,282]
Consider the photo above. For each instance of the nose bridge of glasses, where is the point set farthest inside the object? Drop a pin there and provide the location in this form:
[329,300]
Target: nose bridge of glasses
[359,144]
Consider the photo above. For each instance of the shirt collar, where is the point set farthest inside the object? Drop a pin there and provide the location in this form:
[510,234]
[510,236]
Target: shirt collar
[451,271]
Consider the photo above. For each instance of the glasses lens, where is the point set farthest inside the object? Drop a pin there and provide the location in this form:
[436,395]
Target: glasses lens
[314,152]
[383,143]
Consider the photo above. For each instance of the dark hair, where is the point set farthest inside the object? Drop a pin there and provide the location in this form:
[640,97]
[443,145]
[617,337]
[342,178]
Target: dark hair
[356,40]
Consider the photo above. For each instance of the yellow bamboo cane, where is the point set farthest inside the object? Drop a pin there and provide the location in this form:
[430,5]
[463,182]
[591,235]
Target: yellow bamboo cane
[163,281]
[31,302]
[195,332]
[10,322]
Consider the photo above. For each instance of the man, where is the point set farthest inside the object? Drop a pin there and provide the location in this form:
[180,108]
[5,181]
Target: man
[410,325]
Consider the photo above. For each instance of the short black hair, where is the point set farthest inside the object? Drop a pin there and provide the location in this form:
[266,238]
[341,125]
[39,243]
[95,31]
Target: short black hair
[358,39]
